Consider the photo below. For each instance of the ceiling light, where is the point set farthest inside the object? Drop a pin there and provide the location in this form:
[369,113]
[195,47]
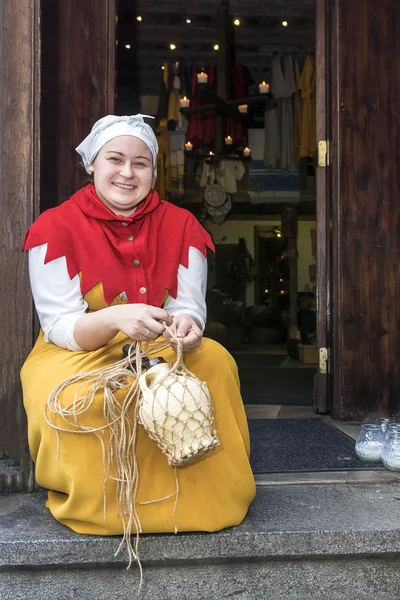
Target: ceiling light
[139,18]
[172,46]
[236,22]
[216,47]
[188,21]
[284,23]
[128,46]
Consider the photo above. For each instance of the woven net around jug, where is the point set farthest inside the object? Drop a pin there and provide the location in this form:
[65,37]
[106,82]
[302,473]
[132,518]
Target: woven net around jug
[176,410]
[121,421]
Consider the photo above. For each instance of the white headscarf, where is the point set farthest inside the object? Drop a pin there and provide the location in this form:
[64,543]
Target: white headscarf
[111,127]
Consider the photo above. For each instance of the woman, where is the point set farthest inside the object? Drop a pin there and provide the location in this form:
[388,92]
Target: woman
[111,265]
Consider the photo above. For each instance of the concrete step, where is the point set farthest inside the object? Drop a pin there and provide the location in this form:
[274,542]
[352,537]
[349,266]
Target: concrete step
[298,542]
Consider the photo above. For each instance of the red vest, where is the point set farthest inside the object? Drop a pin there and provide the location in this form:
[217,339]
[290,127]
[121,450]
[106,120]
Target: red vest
[138,255]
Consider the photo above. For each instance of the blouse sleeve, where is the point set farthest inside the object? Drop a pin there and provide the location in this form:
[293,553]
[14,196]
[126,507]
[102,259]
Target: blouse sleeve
[58,299]
[192,285]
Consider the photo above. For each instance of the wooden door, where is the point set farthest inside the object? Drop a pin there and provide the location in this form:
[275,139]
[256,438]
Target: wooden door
[322,381]
[56,79]
[77,78]
[19,203]
[366,208]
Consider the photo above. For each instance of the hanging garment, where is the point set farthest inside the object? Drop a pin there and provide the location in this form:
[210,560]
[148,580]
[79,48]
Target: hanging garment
[173,99]
[163,182]
[186,79]
[279,124]
[201,127]
[272,147]
[177,149]
[227,174]
[307,127]
[240,80]
[162,110]
[288,160]
[297,108]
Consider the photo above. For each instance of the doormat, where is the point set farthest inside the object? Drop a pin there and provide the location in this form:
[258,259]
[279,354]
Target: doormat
[287,387]
[301,445]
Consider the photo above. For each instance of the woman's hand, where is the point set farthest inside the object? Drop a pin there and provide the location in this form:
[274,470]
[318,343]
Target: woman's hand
[188,328]
[140,322]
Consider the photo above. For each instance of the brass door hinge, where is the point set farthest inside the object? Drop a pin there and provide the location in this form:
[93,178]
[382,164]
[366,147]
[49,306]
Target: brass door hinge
[324,361]
[323,153]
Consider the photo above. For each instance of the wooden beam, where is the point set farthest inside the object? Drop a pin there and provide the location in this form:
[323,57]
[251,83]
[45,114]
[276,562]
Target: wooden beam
[276,8]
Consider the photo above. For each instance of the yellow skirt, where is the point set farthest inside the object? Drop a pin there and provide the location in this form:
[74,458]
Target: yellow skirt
[215,492]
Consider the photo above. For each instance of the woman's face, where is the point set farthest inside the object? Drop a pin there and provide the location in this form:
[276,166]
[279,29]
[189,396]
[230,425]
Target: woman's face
[123,173]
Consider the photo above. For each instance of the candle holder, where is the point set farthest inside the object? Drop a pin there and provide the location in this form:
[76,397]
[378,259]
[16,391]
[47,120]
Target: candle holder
[391,451]
[184,102]
[188,146]
[246,151]
[243,108]
[202,77]
[263,88]
[384,423]
[369,443]
[228,141]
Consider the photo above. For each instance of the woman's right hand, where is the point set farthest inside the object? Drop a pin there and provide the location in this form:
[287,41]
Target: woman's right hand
[140,322]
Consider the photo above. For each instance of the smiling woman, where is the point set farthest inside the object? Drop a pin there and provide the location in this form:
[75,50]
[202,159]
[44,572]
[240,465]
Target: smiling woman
[123,173]
[112,265]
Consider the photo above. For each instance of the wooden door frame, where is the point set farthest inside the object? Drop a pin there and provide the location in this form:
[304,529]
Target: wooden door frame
[322,382]
[336,212]
[20,178]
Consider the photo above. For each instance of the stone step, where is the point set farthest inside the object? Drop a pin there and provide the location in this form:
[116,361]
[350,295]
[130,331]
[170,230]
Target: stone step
[298,542]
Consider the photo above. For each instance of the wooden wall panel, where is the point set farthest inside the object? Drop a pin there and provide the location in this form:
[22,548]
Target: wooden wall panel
[78,50]
[19,178]
[366,216]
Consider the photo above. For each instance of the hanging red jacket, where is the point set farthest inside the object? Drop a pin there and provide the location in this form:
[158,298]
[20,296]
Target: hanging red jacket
[201,127]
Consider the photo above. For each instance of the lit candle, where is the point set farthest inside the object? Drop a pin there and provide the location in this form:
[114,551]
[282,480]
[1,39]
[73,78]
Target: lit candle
[211,153]
[228,141]
[246,151]
[243,108]
[184,102]
[188,146]
[202,77]
[263,88]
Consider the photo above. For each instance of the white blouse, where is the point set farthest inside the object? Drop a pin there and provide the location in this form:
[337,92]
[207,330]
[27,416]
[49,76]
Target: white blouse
[59,301]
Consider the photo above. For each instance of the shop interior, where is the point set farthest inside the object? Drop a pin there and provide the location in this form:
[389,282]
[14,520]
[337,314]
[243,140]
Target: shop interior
[245,169]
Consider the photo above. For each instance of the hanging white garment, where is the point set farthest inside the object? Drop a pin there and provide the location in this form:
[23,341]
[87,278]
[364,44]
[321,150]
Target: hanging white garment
[288,159]
[272,145]
[227,174]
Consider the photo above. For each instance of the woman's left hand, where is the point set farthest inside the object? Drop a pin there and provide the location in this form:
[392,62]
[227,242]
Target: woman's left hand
[186,327]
